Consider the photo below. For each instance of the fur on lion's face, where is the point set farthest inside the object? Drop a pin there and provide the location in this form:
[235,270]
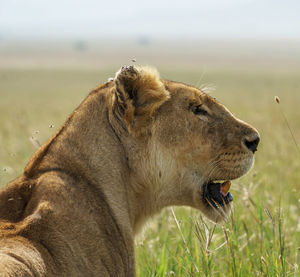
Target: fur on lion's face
[193,141]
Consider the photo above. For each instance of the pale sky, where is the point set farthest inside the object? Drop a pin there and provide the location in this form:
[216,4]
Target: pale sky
[196,19]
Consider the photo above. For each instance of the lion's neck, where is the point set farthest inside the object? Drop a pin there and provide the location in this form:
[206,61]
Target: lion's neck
[88,148]
[153,175]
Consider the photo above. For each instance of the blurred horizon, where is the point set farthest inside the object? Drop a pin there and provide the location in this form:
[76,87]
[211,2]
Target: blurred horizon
[205,54]
[264,35]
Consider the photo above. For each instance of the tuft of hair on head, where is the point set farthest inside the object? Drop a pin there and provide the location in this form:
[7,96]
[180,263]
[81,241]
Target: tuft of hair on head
[140,93]
[135,78]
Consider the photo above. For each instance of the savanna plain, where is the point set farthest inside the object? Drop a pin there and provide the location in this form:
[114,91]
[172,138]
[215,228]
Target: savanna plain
[262,235]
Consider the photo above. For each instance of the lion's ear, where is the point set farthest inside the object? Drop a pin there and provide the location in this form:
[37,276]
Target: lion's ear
[139,93]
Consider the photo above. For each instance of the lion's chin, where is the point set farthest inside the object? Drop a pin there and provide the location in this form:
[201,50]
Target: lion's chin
[215,195]
[214,200]
[217,199]
[219,215]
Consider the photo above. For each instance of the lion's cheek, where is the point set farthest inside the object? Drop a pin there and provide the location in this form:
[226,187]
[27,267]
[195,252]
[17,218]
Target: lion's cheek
[196,156]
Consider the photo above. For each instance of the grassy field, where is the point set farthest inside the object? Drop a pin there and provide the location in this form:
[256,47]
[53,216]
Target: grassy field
[262,237]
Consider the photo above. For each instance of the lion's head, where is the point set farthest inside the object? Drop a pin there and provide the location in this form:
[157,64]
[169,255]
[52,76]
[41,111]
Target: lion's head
[183,147]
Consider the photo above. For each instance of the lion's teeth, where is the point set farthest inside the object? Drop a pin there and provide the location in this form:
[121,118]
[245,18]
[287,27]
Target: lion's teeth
[225,187]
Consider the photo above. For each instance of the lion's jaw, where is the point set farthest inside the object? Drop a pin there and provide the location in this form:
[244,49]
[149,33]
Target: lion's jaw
[173,183]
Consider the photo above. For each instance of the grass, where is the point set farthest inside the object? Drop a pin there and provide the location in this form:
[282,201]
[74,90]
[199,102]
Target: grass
[262,237]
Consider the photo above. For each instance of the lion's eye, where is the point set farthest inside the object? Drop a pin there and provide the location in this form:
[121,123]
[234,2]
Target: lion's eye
[199,110]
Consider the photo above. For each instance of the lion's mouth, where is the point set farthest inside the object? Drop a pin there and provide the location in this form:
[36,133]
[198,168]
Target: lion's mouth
[217,194]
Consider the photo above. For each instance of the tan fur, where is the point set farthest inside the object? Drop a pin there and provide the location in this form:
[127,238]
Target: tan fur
[131,148]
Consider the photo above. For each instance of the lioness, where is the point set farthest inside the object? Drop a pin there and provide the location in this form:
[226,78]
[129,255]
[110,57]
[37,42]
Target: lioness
[135,145]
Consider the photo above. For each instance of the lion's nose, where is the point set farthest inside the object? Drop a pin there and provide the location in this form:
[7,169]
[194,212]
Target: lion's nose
[252,143]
